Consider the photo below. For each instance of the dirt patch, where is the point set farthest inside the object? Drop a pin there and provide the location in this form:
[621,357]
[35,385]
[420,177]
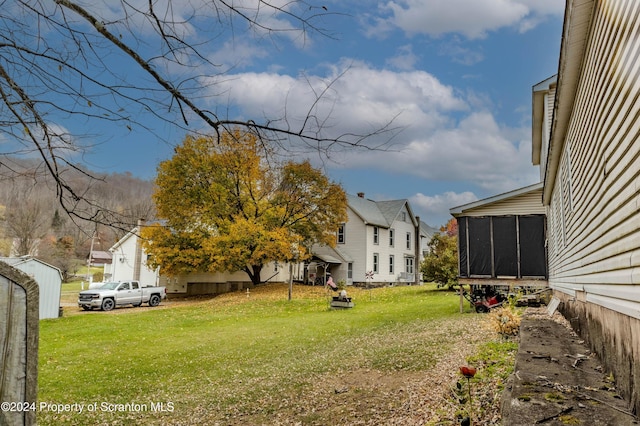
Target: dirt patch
[558,381]
[369,396]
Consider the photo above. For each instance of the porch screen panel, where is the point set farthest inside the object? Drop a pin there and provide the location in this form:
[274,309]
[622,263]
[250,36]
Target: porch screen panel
[533,260]
[479,246]
[505,246]
[462,247]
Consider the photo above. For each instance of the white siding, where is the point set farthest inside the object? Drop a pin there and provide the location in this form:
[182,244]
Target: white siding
[356,245]
[124,266]
[123,261]
[529,203]
[49,281]
[360,247]
[594,218]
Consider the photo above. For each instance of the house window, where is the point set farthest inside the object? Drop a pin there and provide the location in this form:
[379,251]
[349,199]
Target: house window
[350,270]
[391,262]
[404,216]
[341,234]
[376,235]
[408,265]
[391,235]
[408,240]
[376,258]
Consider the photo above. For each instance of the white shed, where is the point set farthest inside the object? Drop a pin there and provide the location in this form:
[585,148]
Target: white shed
[49,279]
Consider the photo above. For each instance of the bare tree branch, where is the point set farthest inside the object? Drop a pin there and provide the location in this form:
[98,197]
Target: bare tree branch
[65,60]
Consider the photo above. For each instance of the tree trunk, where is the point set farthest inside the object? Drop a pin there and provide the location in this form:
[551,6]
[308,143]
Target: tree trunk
[254,274]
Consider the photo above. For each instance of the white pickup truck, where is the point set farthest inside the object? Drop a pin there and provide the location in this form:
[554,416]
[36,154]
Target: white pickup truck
[112,294]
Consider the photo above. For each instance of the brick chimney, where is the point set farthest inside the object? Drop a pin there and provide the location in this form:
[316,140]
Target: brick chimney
[361,194]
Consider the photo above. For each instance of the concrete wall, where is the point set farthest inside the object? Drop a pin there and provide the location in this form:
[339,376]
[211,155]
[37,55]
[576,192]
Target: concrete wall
[614,337]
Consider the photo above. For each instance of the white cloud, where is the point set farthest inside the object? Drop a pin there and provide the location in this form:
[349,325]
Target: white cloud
[474,19]
[355,98]
[436,208]
[404,60]
[238,53]
[474,149]
[447,136]
[461,55]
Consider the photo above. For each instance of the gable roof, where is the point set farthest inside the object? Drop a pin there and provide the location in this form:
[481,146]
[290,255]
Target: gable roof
[17,261]
[97,255]
[427,231]
[330,254]
[527,200]
[539,92]
[133,233]
[378,213]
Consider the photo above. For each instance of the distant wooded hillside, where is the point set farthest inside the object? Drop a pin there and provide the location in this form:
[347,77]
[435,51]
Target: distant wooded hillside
[32,221]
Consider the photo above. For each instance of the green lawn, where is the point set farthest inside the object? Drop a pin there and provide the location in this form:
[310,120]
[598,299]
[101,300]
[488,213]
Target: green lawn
[237,359]
[71,289]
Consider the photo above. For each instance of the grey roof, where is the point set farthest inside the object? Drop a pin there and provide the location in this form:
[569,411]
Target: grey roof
[330,254]
[101,255]
[376,213]
[391,209]
[428,231]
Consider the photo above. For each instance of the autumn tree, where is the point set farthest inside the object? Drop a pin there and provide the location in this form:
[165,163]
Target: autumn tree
[75,74]
[228,206]
[441,264]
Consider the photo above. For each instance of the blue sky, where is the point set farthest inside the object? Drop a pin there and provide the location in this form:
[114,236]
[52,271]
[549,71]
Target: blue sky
[454,75]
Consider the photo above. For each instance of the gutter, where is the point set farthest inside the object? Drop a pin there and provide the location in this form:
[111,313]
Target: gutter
[575,35]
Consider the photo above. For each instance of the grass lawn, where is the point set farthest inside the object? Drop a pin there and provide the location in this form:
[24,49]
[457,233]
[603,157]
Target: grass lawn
[261,359]
[70,290]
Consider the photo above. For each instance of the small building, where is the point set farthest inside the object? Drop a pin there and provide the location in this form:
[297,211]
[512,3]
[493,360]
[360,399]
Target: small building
[501,239]
[99,258]
[48,278]
[130,263]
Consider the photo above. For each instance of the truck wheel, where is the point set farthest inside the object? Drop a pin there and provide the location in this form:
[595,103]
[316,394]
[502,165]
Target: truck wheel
[108,304]
[154,300]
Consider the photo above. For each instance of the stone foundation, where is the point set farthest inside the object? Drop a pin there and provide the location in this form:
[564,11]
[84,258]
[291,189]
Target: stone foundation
[615,337]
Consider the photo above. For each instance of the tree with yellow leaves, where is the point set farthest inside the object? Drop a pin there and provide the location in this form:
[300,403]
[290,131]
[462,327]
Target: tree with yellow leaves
[226,208]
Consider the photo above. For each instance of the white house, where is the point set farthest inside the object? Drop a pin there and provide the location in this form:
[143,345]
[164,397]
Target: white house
[129,262]
[380,238]
[587,143]
[427,232]
[48,278]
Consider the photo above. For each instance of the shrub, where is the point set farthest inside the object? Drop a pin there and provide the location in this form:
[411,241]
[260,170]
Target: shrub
[505,320]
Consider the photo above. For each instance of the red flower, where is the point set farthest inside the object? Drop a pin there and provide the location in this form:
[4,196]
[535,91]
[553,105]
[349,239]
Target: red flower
[468,372]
